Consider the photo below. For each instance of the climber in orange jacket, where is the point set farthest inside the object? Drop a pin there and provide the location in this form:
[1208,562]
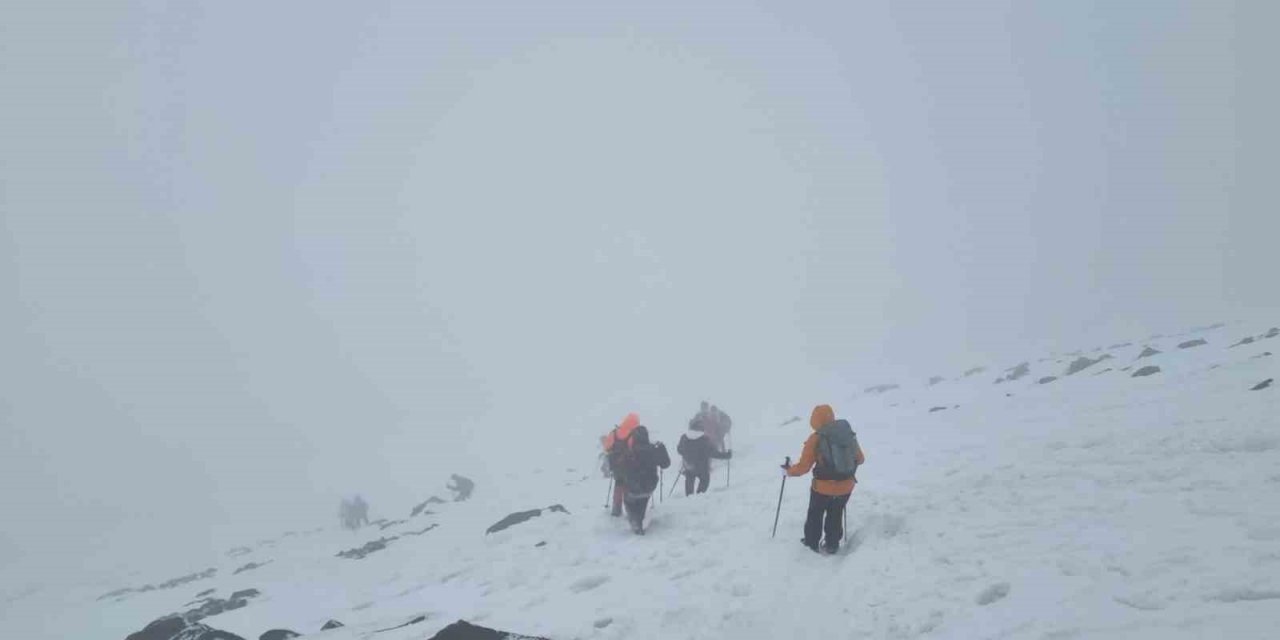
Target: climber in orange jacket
[833,452]
[615,443]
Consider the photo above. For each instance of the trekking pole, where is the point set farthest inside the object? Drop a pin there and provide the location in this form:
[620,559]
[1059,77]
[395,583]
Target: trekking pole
[660,483]
[728,476]
[784,488]
[608,496]
[676,481]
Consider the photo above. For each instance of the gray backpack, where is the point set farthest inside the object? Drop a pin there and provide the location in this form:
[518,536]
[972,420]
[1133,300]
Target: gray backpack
[837,452]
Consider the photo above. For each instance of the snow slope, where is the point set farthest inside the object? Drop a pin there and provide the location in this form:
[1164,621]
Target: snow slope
[1096,506]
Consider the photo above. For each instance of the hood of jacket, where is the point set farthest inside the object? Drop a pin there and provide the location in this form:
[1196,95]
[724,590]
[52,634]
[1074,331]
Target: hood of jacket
[822,415]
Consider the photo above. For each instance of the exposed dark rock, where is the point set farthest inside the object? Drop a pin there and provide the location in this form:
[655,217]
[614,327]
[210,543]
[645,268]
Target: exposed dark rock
[1084,362]
[168,584]
[215,606]
[1046,379]
[332,624]
[421,508]
[791,420]
[880,388]
[246,593]
[279,634]
[239,551]
[1271,333]
[116,593]
[1262,385]
[1098,373]
[1147,352]
[1146,371]
[1243,341]
[1198,342]
[937,409]
[1018,372]
[207,592]
[250,567]
[521,516]
[420,531]
[974,371]
[385,525]
[463,630]
[1264,354]
[462,486]
[359,553]
[935,380]
[1119,346]
[175,628]
[541,544]
[414,621]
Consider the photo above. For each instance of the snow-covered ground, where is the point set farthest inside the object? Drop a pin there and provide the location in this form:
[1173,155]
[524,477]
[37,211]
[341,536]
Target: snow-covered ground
[1095,506]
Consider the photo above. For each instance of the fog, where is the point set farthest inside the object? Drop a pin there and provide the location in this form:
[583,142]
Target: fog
[254,258]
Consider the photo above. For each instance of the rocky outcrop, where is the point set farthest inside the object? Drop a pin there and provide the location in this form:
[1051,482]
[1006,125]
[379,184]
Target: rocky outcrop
[372,546]
[463,630]
[1190,344]
[1046,379]
[250,567]
[332,624]
[1147,352]
[1146,371]
[176,628]
[421,508]
[880,388]
[1262,385]
[974,371]
[937,409]
[521,516]
[1243,341]
[1084,362]
[279,634]
[167,584]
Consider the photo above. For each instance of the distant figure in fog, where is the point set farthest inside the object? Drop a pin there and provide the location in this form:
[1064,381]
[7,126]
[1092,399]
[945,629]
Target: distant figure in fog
[461,487]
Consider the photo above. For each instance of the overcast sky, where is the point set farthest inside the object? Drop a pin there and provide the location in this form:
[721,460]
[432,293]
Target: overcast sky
[256,256]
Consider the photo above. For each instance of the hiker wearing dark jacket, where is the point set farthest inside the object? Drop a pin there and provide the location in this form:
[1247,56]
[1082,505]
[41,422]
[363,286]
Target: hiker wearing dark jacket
[830,491]
[638,473]
[697,450]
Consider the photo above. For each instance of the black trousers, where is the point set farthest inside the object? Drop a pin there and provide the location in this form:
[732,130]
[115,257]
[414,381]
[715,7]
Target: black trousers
[637,505]
[826,515]
[703,478]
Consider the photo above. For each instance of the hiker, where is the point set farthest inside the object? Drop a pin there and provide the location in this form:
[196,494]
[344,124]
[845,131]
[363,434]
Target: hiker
[833,452]
[696,450]
[637,472]
[461,487]
[722,425]
[615,443]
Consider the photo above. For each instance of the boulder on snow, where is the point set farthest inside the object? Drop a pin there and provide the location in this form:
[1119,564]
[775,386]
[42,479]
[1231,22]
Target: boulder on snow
[1046,379]
[1147,352]
[1198,342]
[1243,341]
[421,508]
[1084,362]
[935,380]
[974,371]
[463,630]
[332,624]
[207,592]
[1017,372]
[250,567]
[279,634]
[175,628]
[372,546]
[1146,371]
[1271,333]
[937,409]
[214,606]
[1264,354]
[1262,385]
[521,516]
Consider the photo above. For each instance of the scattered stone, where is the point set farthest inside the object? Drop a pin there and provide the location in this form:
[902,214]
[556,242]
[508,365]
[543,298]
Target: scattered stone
[1244,340]
[1119,346]
[421,508]
[602,623]
[206,592]
[1146,371]
[993,593]
[1018,372]
[1098,373]
[1147,352]
[974,371]
[541,544]
[385,525]
[372,546]
[414,621]
[1198,342]
[521,516]
[420,531]
[935,380]
[1271,333]
[279,634]
[1084,362]
[937,409]
[880,388]
[332,624]
[1264,354]
[1046,379]
[1262,385]
[250,567]
[463,630]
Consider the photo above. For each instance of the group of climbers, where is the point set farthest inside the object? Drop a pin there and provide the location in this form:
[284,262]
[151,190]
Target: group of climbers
[633,462]
[831,452]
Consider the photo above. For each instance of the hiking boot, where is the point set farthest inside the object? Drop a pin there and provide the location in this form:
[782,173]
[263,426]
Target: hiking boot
[830,550]
[812,546]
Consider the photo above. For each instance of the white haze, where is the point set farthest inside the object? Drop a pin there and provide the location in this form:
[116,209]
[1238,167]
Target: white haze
[255,257]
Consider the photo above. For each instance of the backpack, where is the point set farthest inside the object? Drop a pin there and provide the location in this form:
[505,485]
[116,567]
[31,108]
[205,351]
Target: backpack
[837,452]
[636,469]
